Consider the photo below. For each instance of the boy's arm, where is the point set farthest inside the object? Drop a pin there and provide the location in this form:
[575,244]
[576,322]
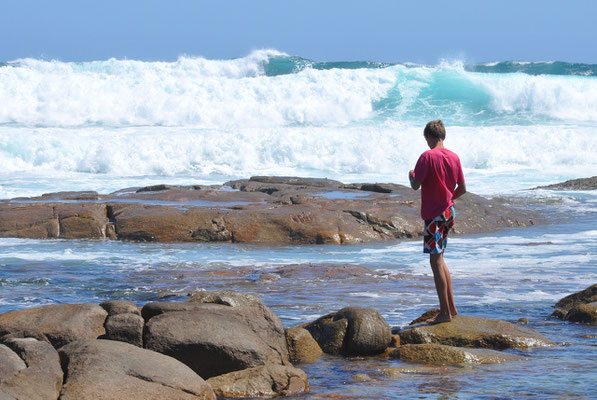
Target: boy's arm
[460,190]
[414,182]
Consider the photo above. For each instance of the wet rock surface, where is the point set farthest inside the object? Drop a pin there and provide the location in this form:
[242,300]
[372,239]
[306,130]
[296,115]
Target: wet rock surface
[442,354]
[578,307]
[351,331]
[302,348]
[272,210]
[466,331]
[261,381]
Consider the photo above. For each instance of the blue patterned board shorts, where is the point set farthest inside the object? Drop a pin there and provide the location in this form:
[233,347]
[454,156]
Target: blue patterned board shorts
[435,236]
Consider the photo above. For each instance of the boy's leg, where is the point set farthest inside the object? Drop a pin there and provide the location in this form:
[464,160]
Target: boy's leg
[440,273]
[448,278]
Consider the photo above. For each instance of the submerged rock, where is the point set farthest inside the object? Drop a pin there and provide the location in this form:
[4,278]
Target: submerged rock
[351,331]
[106,369]
[466,331]
[586,313]
[261,381]
[431,353]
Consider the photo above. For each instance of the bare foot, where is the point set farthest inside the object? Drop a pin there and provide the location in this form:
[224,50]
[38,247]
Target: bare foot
[453,312]
[438,319]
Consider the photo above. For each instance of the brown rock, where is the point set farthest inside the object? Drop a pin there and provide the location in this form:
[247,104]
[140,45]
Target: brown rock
[426,315]
[29,369]
[586,313]
[225,297]
[215,339]
[465,331]
[56,324]
[585,296]
[302,348]
[115,307]
[364,332]
[441,354]
[106,369]
[155,308]
[261,381]
[127,327]
[574,184]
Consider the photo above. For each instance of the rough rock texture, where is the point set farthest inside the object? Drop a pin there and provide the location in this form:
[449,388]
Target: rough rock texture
[574,184]
[106,369]
[126,327]
[56,324]
[29,369]
[156,308]
[585,296]
[465,331]
[216,339]
[225,297]
[426,315]
[273,210]
[442,354]
[576,307]
[351,331]
[586,313]
[302,348]
[262,381]
[115,307]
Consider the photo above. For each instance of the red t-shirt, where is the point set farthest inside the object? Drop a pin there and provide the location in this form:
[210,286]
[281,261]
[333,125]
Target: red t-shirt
[439,171]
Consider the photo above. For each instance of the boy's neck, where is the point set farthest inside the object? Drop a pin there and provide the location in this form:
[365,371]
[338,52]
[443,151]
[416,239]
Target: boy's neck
[435,144]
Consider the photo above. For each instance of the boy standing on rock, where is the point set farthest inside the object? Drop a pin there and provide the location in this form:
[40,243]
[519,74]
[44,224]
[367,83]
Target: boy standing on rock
[439,174]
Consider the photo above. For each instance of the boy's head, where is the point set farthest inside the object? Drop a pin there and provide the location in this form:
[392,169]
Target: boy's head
[435,130]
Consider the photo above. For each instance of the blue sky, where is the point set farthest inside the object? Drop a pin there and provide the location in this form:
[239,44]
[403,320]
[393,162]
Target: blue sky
[332,30]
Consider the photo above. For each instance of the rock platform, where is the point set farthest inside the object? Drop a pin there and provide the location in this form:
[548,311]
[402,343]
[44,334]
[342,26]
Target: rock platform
[268,210]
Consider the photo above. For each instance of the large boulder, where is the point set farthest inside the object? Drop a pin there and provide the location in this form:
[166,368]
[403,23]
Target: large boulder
[106,369]
[466,331]
[441,354]
[29,369]
[56,324]
[302,348]
[126,327]
[156,308]
[262,381]
[215,339]
[351,331]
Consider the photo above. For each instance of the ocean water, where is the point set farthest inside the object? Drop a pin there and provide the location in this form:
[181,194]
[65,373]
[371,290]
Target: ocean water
[106,125]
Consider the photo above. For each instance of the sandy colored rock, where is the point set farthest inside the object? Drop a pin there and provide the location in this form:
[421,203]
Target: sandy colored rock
[466,331]
[302,348]
[56,324]
[107,369]
[156,308]
[216,339]
[37,377]
[441,354]
[261,381]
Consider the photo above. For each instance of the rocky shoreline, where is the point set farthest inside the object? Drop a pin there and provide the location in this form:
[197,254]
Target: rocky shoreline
[267,210]
[222,345]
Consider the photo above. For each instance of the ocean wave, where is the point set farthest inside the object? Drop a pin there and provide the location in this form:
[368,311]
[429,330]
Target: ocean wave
[269,89]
